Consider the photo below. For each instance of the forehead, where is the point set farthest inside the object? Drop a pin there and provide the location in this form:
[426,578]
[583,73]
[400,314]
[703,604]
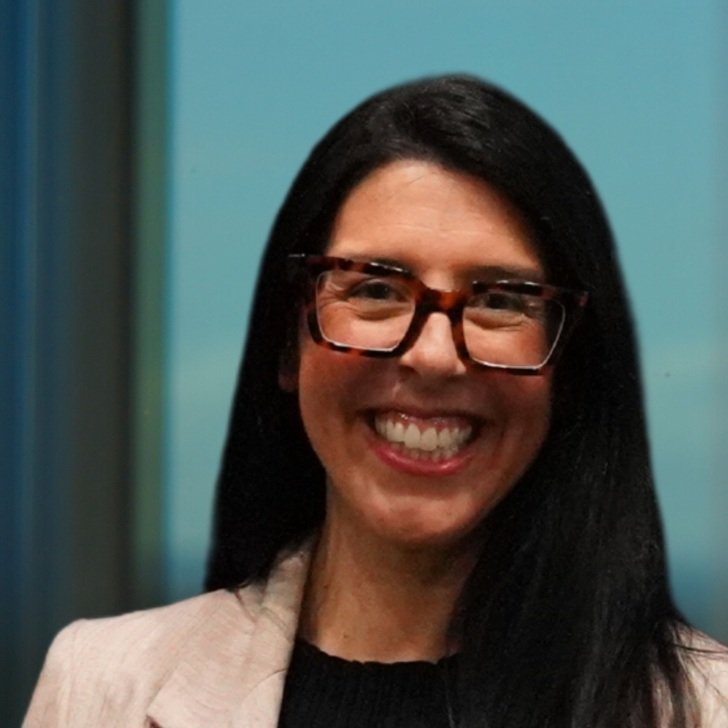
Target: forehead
[426,218]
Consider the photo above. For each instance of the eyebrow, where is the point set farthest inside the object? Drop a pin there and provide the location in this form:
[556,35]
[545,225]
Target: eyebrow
[485,273]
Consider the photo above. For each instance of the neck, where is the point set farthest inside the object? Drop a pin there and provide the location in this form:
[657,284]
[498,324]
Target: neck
[370,599]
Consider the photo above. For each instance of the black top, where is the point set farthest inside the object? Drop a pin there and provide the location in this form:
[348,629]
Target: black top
[323,691]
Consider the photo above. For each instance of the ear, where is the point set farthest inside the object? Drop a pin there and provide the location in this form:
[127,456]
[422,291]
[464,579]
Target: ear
[288,368]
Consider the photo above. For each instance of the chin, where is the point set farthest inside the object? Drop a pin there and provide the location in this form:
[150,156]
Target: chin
[420,532]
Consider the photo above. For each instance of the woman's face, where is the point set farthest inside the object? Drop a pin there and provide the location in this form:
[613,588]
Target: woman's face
[448,229]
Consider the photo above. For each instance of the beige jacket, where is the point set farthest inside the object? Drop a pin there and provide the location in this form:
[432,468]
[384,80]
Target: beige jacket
[217,660]
[214,661]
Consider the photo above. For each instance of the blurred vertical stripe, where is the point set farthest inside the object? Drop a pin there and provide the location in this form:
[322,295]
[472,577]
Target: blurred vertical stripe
[82,220]
[150,179]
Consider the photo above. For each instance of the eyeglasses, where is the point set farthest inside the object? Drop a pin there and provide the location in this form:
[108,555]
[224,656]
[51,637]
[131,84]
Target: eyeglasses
[378,310]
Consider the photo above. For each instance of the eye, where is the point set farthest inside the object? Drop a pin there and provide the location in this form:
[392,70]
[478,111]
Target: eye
[378,289]
[500,301]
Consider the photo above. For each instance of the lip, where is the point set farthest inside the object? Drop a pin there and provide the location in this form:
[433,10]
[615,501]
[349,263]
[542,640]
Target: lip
[399,460]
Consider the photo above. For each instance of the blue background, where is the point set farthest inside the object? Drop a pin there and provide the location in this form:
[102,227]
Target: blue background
[636,88]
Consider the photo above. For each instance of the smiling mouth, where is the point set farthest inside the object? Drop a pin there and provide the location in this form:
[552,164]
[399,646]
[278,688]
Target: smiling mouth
[425,438]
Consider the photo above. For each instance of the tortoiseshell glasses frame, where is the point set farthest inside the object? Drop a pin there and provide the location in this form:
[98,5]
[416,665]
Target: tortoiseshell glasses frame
[309,269]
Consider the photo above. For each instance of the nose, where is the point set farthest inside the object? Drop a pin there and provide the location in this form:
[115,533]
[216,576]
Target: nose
[433,353]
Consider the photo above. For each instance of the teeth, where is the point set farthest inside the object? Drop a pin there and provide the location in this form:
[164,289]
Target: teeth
[428,440]
[412,437]
[427,443]
[445,438]
[393,431]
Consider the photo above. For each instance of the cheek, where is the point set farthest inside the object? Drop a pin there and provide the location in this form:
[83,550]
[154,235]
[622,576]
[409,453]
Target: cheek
[328,383]
[535,428]
[536,408]
[525,407]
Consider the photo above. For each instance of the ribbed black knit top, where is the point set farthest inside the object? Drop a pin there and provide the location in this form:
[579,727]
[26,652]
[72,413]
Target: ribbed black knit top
[323,691]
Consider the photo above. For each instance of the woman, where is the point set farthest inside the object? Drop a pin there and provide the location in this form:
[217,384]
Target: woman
[436,463]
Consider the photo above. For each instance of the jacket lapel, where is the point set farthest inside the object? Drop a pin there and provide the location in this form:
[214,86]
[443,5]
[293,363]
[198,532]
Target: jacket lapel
[231,672]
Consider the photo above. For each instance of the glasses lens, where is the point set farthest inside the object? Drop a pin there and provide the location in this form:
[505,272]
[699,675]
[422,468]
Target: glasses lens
[363,311]
[511,329]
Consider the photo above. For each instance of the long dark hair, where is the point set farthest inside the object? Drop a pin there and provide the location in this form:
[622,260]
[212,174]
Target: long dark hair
[567,620]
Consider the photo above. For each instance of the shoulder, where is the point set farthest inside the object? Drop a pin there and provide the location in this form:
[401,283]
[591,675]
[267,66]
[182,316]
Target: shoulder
[186,659]
[114,666]
[151,636]
[706,664]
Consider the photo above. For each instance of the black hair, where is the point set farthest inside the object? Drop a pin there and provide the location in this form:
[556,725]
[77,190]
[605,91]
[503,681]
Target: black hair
[568,621]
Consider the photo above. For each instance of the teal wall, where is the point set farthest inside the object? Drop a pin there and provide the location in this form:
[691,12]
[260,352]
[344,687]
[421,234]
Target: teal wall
[638,89]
